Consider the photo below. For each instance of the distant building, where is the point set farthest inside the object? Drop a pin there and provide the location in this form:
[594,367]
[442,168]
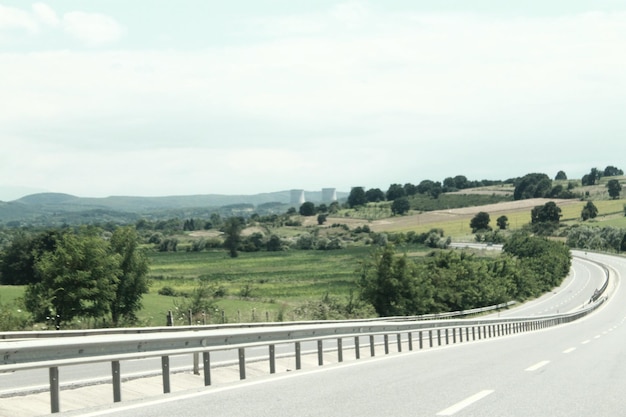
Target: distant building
[297,198]
[329,195]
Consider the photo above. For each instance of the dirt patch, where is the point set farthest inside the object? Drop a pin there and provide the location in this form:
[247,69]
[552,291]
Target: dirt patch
[466,213]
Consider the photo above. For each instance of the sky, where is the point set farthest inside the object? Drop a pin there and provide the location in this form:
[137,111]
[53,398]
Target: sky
[161,98]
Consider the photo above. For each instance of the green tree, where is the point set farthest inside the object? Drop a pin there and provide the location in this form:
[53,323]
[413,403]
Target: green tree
[374,195]
[593,177]
[77,279]
[532,186]
[590,211]
[392,284]
[132,282]
[232,228]
[307,209]
[502,222]
[17,261]
[400,206]
[611,171]
[549,212]
[357,197]
[480,222]
[395,191]
[321,218]
[614,189]
[561,176]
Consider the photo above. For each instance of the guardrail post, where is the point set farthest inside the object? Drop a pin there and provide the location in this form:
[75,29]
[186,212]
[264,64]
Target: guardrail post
[421,340]
[357,347]
[453,335]
[298,356]
[438,337]
[473,333]
[242,363]
[272,349]
[447,337]
[461,335]
[372,346]
[54,390]
[320,352]
[386,337]
[430,337]
[399,338]
[196,363]
[117,381]
[339,350]
[410,335]
[206,366]
[165,367]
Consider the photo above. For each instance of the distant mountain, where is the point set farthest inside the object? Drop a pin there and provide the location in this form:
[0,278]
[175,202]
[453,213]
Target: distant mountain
[59,208]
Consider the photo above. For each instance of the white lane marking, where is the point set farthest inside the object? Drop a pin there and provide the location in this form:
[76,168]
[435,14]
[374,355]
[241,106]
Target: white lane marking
[465,403]
[585,342]
[537,366]
[570,350]
[597,337]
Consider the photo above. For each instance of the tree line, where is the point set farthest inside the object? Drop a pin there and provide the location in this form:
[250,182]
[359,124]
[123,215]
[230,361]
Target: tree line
[397,285]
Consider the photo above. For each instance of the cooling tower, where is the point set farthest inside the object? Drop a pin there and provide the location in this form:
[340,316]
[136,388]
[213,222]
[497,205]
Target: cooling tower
[297,198]
[329,195]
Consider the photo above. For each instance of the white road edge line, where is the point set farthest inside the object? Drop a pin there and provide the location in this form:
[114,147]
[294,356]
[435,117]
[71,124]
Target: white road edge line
[537,366]
[465,403]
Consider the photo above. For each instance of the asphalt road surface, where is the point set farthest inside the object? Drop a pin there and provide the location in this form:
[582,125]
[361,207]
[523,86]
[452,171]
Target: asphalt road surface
[578,369]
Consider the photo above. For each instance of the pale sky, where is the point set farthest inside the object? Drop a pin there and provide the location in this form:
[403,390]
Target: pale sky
[161,97]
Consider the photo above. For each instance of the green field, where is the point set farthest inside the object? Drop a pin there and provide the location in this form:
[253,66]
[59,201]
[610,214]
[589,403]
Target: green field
[264,281]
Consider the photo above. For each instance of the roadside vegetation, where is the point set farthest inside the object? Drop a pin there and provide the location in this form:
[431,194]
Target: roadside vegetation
[377,253]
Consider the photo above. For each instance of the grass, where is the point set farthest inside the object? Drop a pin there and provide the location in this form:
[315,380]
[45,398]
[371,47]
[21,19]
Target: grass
[271,282]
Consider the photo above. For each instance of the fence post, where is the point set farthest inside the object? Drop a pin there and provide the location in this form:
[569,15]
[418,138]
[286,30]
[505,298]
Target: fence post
[54,390]
[339,350]
[272,359]
[117,381]
[206,366]
[320,352]
[242,363]
[170,319]
[298,356]
[165,369]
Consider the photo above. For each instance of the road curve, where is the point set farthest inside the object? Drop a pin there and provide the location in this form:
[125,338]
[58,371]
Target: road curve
[578,369]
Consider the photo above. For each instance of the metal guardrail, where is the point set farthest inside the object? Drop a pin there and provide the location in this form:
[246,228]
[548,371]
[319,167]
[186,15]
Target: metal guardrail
[54,353]
[175,329]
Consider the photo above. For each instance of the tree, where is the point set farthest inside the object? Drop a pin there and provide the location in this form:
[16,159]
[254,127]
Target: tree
[132,280]
[590,211]
[76,279]
[374,195]
[549,212]
[502,222]
[561,176]
[400,206]
[614,189]
[357,197]
[593,177]
[307,209]
[611,171]
[395,191]
[232,228]
[321,218]
[17,262]
[532,186]
[480,222]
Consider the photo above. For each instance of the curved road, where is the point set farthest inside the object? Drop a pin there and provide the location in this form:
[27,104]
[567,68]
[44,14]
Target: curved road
[578,369]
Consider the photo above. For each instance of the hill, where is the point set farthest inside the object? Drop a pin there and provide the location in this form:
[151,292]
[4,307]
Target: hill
[45,209]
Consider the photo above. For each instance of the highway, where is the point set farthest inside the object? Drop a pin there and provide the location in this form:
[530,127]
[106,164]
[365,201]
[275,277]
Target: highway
[578,369]
[573,293]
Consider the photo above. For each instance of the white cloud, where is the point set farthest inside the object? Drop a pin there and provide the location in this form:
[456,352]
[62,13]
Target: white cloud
[93,29]
[14,18]
[46,15]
